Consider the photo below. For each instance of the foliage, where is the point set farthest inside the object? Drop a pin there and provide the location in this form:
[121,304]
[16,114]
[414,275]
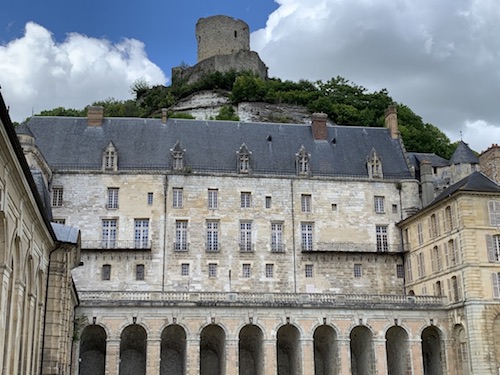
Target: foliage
[227,113]
[181,115]
[63,112]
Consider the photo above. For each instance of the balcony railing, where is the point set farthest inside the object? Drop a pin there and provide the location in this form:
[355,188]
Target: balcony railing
[349,247]
[181,246]
[246,247]
[212,247]
[116,245]
[117,298]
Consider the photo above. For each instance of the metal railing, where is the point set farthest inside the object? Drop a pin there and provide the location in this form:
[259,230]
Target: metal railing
[116,244]
[348,247]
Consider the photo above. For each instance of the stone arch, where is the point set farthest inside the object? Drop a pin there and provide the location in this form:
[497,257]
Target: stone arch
[92,350]
[362,351]
[133,350]
[288,350]
[461,350]
[432,351]
[250,351]
[325,350]
[173,350]
[212,350]
[26,338]
[397,351]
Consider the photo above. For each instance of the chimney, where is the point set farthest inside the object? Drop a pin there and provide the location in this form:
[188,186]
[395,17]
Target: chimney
[426,181]
[95,115]
[319,130]
[391,121]
[164,116]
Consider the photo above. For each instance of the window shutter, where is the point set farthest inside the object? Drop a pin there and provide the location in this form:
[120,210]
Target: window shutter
[459,285]
[450,292]
[433,260]
[490,248]
[496,291]
[446,254]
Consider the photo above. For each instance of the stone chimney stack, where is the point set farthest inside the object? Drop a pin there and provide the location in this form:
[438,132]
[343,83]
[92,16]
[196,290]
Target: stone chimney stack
[95,115]
[427,182]
[164,115]
[391,121]
[318,124]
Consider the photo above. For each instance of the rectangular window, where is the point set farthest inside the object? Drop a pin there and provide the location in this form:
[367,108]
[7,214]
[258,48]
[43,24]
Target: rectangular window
[109,233]
[212,235]
[334,206]
[379,204]
[177,197]
[494,211]
[245,271]
[382,243]
[112,198]
[139,272]
[245,236]
[268,202]
[420,234]
[181,243]
[212,269]
[246,200]
[434,226]
[57,197]
[106,272]
[150,199]
[305,202]
[358,270]
[309,270]
[394,208]
[213,198]
[277,237]
[493,248]
[453,251]
[185,269]
[496,285]
[448,217]
[269,270]
[141,234]
[400,272]
[307,236]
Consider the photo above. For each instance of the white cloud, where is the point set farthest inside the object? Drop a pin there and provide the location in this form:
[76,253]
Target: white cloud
[438,57]
[36,73]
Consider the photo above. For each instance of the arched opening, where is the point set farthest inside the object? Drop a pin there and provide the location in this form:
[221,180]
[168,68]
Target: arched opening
[461,350]
[288,350]
[133,351]
[173,350]
[362,355]
[431,352]
[251,358]
[325,351]
[92,350]
[397,351]
[212,350]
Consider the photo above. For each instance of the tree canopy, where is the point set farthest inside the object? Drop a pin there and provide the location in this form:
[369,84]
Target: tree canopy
[345,103]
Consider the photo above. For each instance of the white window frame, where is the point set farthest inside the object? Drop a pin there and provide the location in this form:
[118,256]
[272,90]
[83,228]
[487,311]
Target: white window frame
[306,203]
[277,237]
[113,196]
[381,232]
[212,270]
[245,199]
[358,270]
[177,197]
[185,269]
[246,270]
[379,204]
[212,235]
[109,233]
[309,270]
[181,235]
[246,236]
[269,270]
[141,233]
[213,198]
[57,196]
[307,236]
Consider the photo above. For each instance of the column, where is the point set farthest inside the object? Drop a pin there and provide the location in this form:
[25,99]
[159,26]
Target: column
[344,366]
[307,360]
[193,356]
[269,349]
[417,362]
[112,356]
[153,356]
[379,348]
[232,357]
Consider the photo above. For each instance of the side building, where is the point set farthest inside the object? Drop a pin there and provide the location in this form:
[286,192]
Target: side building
[214,247]
[37,294]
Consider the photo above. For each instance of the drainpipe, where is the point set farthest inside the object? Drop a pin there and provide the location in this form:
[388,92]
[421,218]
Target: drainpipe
[293,240]
[163,271]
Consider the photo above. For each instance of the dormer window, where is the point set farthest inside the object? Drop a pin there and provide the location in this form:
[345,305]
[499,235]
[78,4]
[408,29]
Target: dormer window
[177,157]
[110,158]
[302,162]
[244,159]
[374,165]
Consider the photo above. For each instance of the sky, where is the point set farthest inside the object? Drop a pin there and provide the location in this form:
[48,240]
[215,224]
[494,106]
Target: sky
[440,58]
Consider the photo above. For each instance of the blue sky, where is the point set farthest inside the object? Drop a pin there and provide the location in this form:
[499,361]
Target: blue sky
[441,58]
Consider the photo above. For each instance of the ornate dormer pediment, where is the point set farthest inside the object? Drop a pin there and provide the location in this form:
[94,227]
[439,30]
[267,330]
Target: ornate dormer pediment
[302,162]
[177,156]
[110,158]
[374,165]
[243,159]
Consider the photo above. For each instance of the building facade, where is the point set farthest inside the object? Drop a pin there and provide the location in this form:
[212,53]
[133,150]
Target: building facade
[213,247]
[37,295]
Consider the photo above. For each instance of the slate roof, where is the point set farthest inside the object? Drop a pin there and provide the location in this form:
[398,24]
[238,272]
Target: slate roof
[212,146]
[66,233]
[416,158]
[475,182]
[464,155]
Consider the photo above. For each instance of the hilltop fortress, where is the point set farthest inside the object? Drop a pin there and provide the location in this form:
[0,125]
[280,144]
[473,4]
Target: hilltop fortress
[223,46]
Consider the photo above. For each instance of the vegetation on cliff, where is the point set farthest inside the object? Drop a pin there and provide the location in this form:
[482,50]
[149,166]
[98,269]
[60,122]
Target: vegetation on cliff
[343,101]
